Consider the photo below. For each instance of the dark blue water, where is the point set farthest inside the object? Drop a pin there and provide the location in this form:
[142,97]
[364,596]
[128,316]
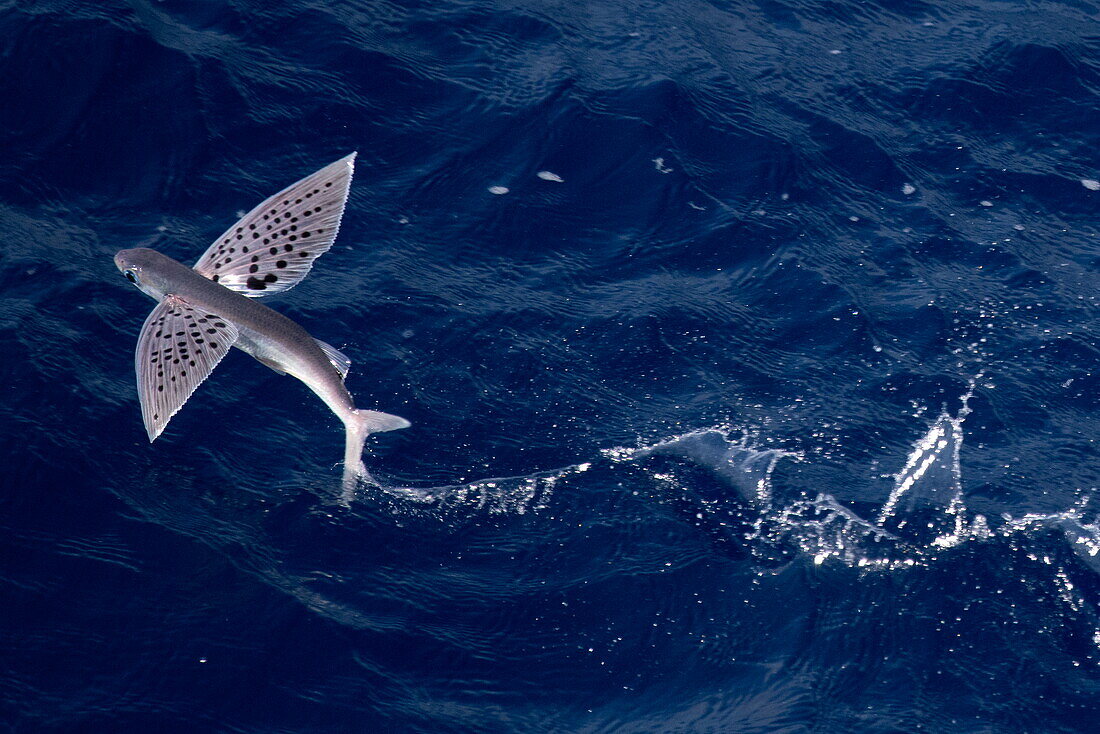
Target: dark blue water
[762,396]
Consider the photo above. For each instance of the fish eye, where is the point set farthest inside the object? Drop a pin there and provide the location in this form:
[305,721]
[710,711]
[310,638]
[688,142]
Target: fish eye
[130,276]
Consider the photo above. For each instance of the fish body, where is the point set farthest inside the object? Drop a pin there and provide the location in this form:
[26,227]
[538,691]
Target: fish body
[205,310]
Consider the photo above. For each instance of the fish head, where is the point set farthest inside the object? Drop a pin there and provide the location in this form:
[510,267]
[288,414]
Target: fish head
[146,269]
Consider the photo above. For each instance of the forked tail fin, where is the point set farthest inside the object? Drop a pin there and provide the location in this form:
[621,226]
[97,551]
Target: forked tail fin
[359,425]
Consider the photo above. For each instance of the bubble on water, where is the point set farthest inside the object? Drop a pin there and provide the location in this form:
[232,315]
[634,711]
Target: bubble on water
[550,176]
[908,188]
[498,190]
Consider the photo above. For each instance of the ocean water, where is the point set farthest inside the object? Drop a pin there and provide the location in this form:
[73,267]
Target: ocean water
[750,349]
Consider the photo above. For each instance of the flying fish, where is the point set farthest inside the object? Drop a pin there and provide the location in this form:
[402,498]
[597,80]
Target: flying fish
[203,311]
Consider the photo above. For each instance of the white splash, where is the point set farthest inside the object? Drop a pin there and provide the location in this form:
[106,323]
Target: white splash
[928,452]
[550,176]
[824,529]
[923,513]
[931,481]
[747,468]
[496,496]
[1083,537]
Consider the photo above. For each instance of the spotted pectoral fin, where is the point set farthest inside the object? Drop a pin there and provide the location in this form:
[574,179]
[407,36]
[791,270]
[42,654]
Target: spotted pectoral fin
[273,247]
[338,359]
[178,348]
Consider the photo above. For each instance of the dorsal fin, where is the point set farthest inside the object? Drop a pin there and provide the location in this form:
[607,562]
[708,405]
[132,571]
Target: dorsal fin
[339,359]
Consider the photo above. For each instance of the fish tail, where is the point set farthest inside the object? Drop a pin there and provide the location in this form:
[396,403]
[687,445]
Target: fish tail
[360,424]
